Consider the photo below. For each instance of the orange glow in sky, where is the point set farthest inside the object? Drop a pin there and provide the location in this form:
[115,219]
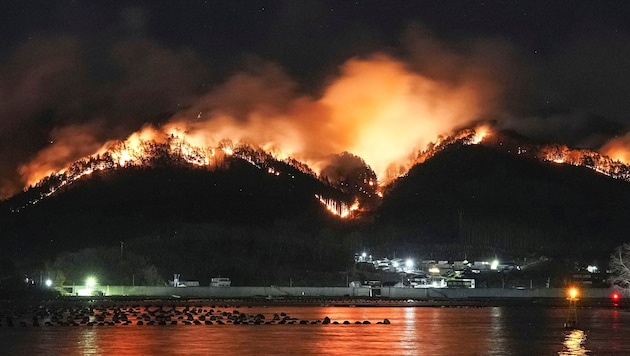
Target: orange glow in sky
[376,109]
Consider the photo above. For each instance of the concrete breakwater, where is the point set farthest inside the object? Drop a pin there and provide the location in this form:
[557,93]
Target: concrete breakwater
[278,292]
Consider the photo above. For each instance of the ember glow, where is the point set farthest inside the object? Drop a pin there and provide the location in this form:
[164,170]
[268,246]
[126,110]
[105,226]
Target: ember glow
[480,133]
[470,136]
[618,149]
[598,162]
[338,208]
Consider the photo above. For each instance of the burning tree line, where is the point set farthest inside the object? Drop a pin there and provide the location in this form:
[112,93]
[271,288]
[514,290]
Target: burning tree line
[175,151]
[586,158]
[355,179]
[556,153]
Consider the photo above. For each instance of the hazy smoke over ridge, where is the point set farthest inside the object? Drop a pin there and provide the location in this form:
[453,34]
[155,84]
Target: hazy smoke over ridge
[53,89]
[60,102]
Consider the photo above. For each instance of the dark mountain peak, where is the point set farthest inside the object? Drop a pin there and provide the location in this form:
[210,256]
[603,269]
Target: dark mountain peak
[478,194]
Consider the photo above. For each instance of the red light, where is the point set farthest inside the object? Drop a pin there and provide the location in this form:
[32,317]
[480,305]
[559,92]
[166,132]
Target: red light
[615,296]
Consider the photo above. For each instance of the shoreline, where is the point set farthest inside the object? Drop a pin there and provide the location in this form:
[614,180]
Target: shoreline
[324,302]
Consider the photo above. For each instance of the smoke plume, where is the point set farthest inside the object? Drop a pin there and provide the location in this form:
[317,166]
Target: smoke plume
[61,102]
[378,107]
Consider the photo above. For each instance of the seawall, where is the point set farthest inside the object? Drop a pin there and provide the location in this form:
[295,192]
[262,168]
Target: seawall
[383,292]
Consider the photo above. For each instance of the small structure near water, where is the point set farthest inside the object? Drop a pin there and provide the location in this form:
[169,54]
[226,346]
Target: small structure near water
[177,282]
[220,282]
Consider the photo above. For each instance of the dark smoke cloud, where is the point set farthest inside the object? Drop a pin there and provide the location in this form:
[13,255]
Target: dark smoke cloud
[578,94]
[492,64]
[54,83]
[101,85]
[261,86]
[154,81]
[592,75]
[42,87]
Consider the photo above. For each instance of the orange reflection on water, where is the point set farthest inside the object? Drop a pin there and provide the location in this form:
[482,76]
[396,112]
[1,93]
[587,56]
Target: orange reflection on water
[413,331]
[574,343]
[88,342]
[113,340]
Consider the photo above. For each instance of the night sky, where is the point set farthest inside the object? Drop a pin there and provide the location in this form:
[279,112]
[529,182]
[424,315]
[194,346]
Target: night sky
[561,66]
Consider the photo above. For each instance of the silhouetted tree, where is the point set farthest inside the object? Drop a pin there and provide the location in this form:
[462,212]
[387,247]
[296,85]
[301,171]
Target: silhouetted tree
[620,266]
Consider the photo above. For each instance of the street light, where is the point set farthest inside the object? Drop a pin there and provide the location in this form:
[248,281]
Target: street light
[494,265]
[435,272]
[90,282]
[48,282]
[409,263]
[571,322]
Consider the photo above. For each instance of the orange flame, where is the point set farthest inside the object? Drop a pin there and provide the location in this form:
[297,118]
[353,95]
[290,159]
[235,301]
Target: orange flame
[579,157]
[376,109]
[481,133]
[338,208]
[618,149]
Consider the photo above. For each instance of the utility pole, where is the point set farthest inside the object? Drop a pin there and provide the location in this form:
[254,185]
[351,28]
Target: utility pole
[122,246]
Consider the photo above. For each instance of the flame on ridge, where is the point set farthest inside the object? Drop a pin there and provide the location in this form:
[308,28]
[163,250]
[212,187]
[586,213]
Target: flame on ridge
[140,147]
[481,132]
[338,208]
[618,148]
[598,162]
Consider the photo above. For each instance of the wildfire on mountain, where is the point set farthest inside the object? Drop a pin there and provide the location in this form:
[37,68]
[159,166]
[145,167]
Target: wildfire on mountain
[586,158]
[470,136]
[350,174]
[147,145]
[377,108]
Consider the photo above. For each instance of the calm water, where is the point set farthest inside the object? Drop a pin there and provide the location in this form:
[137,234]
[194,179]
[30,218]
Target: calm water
[413,331]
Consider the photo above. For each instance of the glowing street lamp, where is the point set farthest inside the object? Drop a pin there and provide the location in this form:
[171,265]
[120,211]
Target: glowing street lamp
[48,282]
[571,322]
[494,265]
[90,282]
[435,276]
[409,263]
